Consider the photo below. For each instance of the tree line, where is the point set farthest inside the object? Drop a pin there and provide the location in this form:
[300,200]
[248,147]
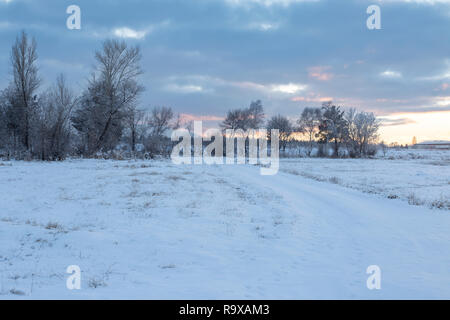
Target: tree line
[328,125]
[56,123]
[105,119]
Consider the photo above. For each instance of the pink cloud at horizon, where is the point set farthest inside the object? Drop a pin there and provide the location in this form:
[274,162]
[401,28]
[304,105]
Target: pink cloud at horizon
[319,73]
[186,117]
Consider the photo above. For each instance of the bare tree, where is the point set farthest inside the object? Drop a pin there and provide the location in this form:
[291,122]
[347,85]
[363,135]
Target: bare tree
[10,122]
[119,66]
[285,128]
[255,115]
[25,82]
[362,130]
[178,122]
[112,90]
[54,128]
[158,122]
[309,123]
[134,118]
[332,126]
[247,118]
[235,119]
[189,126]
[5,148]
[384,148]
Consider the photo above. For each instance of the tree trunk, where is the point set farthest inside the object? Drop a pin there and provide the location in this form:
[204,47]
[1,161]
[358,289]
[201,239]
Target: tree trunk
[133,141]
[105,129]
[336,148]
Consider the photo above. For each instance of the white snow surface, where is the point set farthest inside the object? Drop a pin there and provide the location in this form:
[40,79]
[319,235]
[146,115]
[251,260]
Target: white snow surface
[420,177]
[155,230]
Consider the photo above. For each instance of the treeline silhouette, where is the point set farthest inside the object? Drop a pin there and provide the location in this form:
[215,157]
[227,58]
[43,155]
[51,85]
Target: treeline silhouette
[106,120]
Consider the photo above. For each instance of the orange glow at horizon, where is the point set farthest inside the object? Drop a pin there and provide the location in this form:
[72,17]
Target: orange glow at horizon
[424,126]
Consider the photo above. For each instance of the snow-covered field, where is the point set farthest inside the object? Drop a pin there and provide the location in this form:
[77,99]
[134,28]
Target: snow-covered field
[151,229]
[419,177]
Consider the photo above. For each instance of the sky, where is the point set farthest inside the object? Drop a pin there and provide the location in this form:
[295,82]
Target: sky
[204,57]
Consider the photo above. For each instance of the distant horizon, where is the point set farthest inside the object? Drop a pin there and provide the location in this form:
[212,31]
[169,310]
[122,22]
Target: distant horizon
[203,58]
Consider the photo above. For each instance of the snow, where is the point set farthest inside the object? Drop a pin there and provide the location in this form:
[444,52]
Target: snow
[420,177]
[434,142]
[155,230]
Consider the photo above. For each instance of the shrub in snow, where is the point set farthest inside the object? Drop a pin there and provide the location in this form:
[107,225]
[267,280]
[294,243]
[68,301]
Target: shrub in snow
[414,200]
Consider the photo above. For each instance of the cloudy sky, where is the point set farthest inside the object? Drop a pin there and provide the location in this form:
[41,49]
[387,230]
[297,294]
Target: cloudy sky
[204,57]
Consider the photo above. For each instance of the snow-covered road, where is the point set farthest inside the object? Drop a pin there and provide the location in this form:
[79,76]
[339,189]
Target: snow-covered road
[156,230]
[340,232]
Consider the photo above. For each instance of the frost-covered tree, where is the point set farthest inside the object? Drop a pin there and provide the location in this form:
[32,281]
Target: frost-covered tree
[24,86]
[112,89]
[246,118]
[285,127]
[11,140]
[158,123]
[235,119]
[52,130]
[332,128]
[309,124]
[133,120]
[159,120]
[362,130]
[255,115]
